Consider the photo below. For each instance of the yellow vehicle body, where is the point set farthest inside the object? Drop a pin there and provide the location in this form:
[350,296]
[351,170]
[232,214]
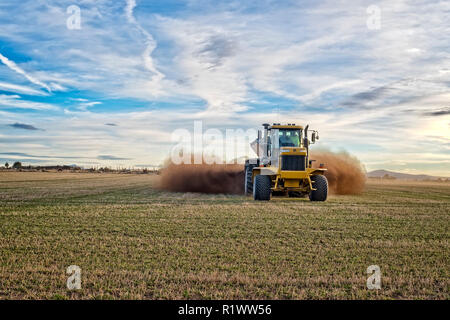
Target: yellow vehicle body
[283,166]
[297,181]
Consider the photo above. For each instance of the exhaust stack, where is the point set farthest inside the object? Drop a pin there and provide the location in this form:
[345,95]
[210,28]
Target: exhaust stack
[264,144]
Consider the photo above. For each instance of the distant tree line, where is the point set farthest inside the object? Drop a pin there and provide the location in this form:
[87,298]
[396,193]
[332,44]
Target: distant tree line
[16,165]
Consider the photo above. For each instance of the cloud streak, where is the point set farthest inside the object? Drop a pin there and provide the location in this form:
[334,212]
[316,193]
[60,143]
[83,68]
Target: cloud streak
[27,155]
[437,113]
[10,87]
[13,66]
[15,101]
[110,157]
[23,126]
[149,42]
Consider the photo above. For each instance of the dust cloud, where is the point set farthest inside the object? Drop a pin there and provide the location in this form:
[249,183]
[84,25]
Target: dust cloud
[204,178]
[345,175]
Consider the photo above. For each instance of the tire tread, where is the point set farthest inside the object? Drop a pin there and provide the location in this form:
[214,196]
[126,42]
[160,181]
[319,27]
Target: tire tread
[262,188]
[321,185]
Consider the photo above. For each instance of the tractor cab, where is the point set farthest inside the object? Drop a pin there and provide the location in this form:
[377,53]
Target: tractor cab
[284,139]
[289,137]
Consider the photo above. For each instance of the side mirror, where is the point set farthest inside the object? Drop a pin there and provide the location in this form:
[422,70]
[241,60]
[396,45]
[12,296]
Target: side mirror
[313,137]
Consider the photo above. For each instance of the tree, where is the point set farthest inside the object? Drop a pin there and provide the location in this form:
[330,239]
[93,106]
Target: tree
[6,165]
[17,165]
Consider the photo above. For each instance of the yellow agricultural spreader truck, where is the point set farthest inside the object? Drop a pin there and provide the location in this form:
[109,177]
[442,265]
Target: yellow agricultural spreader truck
[283,166]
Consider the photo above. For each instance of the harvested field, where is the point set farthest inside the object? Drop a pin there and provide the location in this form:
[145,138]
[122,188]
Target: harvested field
[133,241]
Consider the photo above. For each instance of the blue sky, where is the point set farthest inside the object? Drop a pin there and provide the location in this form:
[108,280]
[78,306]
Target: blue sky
[113,91]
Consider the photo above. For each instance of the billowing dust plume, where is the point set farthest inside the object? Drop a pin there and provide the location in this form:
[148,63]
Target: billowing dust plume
[345,175]
[204,178]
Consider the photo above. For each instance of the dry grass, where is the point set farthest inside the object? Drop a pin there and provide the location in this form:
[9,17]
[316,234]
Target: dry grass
[133,241]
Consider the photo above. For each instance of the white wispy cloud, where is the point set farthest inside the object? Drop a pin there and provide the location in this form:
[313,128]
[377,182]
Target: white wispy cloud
[15,101]
[11,87]
[85,105]
[150,43]
[13,66]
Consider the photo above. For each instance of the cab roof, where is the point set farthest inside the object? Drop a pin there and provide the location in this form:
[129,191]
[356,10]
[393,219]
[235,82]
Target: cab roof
[285,126]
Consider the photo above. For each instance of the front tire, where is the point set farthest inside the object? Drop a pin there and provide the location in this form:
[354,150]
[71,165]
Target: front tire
[320,183]
[262,188]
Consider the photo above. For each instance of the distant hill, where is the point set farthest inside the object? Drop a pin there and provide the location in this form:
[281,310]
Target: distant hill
[398,175]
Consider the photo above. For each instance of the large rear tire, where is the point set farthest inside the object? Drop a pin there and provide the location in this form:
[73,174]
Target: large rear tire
[261,188]
[248,176]
[248,180]
[320,183]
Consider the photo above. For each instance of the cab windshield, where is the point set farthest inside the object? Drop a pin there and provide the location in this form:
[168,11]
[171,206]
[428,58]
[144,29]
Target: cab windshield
[290,137]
